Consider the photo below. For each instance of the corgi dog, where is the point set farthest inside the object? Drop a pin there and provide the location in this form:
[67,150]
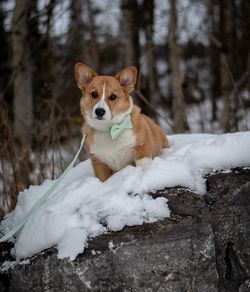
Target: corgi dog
[117,133]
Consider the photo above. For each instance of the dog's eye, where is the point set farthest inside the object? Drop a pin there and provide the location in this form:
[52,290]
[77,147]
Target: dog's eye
[112,97]
[94,94]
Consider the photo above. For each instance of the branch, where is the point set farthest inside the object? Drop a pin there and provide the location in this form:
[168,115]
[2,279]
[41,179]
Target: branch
[143,98]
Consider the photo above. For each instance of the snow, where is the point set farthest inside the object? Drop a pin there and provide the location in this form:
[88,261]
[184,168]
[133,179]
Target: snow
[82,207]
[11,264]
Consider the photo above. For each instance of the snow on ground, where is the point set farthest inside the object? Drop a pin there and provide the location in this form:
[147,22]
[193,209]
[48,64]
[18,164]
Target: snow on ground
[83,207]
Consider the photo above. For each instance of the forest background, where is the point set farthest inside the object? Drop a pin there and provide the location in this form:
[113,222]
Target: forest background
[193,58]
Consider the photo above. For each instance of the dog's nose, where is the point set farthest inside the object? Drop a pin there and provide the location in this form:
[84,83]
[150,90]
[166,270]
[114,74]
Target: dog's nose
[100,112]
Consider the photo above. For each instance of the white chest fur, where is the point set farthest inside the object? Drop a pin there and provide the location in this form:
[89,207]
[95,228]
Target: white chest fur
[115,153]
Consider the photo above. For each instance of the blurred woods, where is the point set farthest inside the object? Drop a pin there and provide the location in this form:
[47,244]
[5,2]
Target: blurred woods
[192,56]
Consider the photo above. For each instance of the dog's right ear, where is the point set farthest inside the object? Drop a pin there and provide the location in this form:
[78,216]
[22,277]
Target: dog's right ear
[84,74]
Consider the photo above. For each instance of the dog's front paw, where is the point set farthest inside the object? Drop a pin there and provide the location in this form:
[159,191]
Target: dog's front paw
[143,163]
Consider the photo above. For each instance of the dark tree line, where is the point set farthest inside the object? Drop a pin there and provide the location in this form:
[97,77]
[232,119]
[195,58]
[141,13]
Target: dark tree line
[28,51]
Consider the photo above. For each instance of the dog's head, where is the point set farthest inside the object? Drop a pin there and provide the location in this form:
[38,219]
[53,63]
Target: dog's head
[106,99]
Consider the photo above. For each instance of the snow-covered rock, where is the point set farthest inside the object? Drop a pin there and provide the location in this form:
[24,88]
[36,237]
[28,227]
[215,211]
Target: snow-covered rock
[203,246]
[82,207]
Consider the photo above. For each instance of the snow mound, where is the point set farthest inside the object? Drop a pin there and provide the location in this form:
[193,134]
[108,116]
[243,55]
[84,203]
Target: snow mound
[82,207]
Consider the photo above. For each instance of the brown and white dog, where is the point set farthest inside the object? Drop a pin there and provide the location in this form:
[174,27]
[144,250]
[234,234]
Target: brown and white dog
[106,105]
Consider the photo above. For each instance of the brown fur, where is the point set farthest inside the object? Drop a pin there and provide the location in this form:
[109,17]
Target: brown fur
[150,138]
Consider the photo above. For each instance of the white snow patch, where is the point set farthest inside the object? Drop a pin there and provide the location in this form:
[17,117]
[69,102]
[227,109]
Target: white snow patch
[111,245]
[82,207]
[11,264]
[114,247]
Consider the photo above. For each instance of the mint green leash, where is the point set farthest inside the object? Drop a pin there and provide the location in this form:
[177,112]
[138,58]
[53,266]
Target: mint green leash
[114,131]
[39,203]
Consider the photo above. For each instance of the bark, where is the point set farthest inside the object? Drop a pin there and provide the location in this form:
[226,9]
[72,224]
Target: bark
[214,58]
[93,38]
[150,53]
[179,113]
[50,11]
[131,32]
[245,35]
[76,32]
[22,71]
[4,56]
[226,59]
[226,89]
[130,29]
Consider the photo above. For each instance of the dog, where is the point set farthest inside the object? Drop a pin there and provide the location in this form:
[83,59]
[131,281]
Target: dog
[118,134]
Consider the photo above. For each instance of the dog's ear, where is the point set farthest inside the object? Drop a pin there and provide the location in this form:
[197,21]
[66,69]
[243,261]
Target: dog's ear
[127,78]
[84,74]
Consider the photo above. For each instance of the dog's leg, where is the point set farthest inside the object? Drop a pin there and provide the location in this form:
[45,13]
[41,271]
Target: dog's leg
[142,156]
[102,171]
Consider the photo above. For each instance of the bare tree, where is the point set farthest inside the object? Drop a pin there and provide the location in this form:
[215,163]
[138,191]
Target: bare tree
[22,70]
[131,32]
[76,41]
[226,27]
[50,10]
[214,56]
[179,113]
[93,37]
[130,28]
[148,9]
[4,60]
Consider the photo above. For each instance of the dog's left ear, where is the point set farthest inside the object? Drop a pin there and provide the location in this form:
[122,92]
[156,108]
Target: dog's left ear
[127,78]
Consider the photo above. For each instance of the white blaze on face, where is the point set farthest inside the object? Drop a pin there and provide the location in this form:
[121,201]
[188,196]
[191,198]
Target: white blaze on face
[102,104]
[103,92]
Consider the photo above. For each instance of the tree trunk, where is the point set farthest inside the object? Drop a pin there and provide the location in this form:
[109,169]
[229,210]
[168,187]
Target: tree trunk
[226,26]
[76,40]
[179,113]
[225,89]
[4,56]
[22,70]
[150,53]
[94,52]
[214,58]
[131,33]
[50,10]
[130,27]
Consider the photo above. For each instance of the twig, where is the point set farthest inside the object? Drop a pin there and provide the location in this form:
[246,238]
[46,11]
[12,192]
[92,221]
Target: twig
[236,86]
[143,98]
[240,82]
